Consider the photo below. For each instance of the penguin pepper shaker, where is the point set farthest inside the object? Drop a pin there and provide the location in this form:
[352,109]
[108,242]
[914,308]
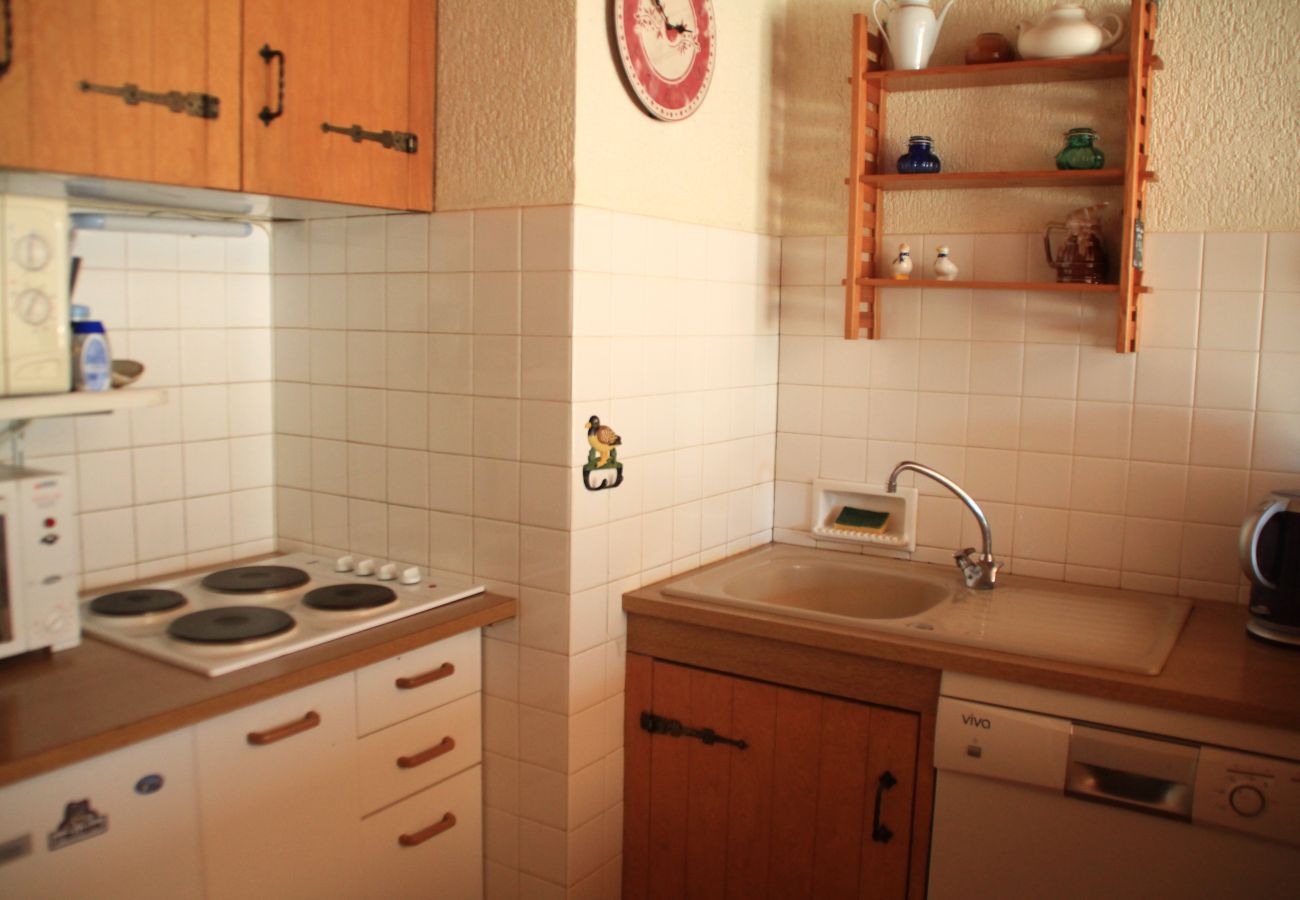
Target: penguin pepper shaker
[944,268]
[902,264]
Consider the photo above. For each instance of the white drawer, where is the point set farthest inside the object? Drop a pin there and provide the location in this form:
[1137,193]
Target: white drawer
[418,681]
[429,845]
[409,756]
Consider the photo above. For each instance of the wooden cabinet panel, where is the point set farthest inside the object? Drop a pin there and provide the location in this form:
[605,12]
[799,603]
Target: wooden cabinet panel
[154,44]
[343,64]
[792,814]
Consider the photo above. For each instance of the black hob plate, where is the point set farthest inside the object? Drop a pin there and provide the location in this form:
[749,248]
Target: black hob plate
[230,625]
[138,602]
[255,579]
[336,597]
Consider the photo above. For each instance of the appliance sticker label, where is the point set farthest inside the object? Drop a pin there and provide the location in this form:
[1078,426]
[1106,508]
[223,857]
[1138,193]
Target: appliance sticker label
[80,822]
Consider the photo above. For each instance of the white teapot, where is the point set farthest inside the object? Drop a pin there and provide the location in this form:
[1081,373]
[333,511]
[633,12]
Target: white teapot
[1065,30]
[910,29]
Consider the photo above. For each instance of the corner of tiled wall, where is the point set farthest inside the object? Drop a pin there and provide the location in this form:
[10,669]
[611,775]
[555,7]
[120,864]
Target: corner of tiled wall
[188,483]
[1128,470]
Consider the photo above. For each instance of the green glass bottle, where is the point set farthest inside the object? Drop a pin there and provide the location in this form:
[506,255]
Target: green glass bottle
[1079,152]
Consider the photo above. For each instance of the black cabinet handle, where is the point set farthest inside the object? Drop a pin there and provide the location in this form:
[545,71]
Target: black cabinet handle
[673,728]
[9,37]
[267,115]
[882,833]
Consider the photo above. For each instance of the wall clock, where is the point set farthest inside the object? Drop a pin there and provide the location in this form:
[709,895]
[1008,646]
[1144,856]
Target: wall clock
[667,48]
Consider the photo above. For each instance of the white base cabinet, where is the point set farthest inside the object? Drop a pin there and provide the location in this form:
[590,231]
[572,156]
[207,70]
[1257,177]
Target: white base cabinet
[278,796]
[365,785]
[122,825]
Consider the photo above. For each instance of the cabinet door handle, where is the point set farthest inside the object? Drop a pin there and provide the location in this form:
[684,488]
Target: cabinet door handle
[419,837]
[267,115]
[443,747]
[401,141]
[9,37]
[881,834]
[279,733]
[445,670]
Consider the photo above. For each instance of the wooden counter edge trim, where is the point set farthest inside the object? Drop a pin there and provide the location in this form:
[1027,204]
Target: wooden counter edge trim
[39,763]
[1061,676]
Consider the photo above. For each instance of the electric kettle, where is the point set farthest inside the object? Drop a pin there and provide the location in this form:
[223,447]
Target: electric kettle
[1269,547]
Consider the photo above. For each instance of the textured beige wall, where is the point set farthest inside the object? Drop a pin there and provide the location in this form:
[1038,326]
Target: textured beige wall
[720,166]
[1222,140]
[505,118]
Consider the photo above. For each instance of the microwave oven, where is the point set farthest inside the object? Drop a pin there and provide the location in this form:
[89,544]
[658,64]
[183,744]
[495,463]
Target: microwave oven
[38,561]
[35,348]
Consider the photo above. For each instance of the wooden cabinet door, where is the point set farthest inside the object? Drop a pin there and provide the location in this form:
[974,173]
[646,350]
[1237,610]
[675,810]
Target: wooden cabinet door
[792,814]
[160,46]
[278,802]
[339,63]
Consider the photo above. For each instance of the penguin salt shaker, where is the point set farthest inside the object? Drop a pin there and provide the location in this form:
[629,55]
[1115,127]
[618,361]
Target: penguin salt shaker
[944,268]
[902,264]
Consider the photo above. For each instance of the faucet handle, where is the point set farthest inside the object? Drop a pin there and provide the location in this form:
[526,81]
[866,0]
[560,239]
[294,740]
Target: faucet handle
[979,573]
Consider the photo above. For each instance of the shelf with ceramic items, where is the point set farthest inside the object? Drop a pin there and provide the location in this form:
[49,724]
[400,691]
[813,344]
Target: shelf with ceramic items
[868,258]
[79,403]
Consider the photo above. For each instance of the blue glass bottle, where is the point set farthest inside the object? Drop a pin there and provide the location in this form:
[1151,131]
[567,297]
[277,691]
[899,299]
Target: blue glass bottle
[919,158]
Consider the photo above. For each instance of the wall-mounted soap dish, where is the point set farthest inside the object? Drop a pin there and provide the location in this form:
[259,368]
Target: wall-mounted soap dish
[831,497]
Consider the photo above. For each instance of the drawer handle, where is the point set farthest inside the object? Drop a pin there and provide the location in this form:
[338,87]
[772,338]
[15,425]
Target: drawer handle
[880,832]
[445,670]
[443,747]
[271,735]
[437,828]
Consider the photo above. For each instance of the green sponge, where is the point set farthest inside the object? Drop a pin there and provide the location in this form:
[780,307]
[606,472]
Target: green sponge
[867,521]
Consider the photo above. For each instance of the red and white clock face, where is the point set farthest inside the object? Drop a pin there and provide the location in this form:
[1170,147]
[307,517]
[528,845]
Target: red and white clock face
[667,48]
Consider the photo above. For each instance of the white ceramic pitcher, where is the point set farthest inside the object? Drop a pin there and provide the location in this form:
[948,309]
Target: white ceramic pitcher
[910,29]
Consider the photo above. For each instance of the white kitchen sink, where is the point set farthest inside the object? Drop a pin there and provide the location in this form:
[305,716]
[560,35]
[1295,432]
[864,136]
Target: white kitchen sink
[1071,623]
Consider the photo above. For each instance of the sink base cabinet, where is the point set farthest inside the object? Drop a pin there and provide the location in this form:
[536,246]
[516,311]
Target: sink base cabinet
[818,803]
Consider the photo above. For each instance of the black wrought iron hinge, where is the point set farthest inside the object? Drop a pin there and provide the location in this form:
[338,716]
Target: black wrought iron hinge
[401,141]
[192,103]
[673,728]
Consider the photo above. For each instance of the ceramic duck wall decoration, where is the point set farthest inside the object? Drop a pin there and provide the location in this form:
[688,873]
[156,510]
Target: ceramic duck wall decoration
[603,456]
[901,267]
[910,29]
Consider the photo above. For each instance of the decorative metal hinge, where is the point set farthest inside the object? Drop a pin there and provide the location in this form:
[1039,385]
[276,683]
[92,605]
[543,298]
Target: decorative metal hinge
[673,728]
[401,141]
[201,106]
[1139,234]
[9,37]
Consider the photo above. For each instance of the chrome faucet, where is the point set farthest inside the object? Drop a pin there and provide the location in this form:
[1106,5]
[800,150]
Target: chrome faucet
[980,572]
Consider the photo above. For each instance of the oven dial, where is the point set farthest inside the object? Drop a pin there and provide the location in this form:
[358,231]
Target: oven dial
[1246,800]
[410,575]
[366,567]
[388,572]
[32,252]
[34,306]
[343,564]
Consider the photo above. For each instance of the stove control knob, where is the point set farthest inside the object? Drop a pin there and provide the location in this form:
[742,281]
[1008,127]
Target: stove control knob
[410,575]
[366,567]
[343,564]
[388,572]
[1246,800]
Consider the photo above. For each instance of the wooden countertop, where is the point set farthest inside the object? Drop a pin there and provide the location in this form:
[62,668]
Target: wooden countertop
[1214,669]
[59,708]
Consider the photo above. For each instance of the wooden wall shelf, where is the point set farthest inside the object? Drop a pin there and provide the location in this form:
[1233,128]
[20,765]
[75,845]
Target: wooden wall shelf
[869,182]
[892,181]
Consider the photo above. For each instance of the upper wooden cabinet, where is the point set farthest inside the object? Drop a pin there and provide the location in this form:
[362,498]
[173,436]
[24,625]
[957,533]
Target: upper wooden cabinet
[79,92]
[367,67]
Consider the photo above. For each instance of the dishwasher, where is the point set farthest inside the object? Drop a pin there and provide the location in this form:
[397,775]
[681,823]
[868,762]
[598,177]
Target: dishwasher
[1043,794]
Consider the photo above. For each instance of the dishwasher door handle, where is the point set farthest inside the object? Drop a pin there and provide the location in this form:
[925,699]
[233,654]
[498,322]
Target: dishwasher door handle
[1141,773]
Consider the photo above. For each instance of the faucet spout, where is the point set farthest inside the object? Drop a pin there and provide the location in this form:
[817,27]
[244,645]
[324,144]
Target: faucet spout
[980,572]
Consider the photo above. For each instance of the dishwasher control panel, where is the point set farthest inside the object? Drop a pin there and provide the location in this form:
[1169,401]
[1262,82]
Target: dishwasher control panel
[1259,795]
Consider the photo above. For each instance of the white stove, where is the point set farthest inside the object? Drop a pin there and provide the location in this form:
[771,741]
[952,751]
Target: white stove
[227,619]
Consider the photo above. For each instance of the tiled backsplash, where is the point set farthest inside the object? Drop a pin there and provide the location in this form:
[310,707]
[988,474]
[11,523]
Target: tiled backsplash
[434,378]
[1093,466]
[188,483]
